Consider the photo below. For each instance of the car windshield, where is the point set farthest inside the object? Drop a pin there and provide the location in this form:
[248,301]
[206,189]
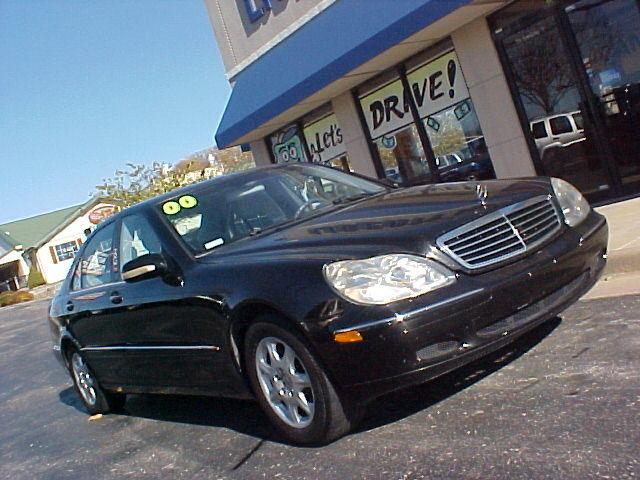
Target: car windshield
[246,205]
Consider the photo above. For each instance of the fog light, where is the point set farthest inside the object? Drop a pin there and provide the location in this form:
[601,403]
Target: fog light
[347,337]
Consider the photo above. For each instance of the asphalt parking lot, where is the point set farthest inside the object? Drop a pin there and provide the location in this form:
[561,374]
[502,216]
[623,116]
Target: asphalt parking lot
[564,402]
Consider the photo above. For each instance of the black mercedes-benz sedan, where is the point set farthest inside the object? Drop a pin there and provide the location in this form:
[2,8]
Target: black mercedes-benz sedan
[315,291]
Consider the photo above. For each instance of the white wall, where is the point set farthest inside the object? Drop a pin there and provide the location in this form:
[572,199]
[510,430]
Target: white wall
[241,41]
[55,272]
[16,255]
[260,153]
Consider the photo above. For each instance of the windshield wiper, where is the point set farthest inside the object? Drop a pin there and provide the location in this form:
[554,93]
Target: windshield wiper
[352,198]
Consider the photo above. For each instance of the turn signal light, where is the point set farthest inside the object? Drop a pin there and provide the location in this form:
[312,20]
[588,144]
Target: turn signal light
[347,337]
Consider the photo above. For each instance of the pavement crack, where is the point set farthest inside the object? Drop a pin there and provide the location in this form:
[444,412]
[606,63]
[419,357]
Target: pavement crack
[529,385]
[580,352]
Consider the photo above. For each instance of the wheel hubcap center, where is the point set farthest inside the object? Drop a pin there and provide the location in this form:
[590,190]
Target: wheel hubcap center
[282,383]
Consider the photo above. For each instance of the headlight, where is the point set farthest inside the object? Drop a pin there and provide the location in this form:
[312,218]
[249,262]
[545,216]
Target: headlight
[574,206]
[387,278]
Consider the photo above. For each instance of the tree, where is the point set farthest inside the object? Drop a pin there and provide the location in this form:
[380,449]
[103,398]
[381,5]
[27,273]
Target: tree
[137,183]
[35,278]
[540,63]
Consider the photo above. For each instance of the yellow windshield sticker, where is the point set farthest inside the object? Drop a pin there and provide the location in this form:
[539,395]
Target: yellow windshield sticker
[188,201]
[171,208]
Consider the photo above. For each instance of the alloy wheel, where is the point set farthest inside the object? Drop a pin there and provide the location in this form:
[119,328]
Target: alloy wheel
[285,382]
[83,378]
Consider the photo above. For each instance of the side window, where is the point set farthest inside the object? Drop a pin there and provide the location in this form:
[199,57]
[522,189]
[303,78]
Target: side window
[539,130]
[96,265]
[560,125]
[137,238]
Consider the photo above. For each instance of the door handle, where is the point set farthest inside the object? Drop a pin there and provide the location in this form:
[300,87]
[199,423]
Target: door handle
[69,306]
[115,298]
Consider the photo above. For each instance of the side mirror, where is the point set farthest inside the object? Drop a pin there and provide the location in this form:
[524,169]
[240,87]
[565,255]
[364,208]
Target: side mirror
[146,266]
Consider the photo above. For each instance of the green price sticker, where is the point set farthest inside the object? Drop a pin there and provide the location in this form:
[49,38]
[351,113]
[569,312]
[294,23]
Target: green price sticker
[187,201]
[171,208]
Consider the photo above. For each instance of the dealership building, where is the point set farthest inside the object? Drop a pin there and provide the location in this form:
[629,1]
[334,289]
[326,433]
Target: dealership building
[438,90]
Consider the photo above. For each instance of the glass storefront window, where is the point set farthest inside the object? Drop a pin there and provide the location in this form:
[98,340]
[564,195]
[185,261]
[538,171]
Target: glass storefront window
[607,36]
[438,91]
[286,145]
[458,144]
[442,99]
[390,123]
[341,163]
[541,73]
[324,139]
[402,155]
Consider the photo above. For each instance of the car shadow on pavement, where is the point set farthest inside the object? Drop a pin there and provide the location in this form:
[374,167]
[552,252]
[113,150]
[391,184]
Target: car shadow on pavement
[245,416]
[403,403]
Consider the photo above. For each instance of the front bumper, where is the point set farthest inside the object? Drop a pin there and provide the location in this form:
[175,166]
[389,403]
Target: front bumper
[439,332]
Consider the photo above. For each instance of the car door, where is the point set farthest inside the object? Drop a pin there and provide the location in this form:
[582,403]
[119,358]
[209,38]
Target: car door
[169,338]
[87,303]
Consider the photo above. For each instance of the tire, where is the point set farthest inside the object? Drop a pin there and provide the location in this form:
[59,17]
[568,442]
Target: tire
[95,399]
[291,387]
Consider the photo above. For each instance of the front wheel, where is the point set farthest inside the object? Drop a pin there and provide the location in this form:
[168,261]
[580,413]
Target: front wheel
[291,387]
[93,397]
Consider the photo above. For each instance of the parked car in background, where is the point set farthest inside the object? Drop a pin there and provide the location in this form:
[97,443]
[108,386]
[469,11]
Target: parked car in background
[557,131]
[454,167]
[315,291]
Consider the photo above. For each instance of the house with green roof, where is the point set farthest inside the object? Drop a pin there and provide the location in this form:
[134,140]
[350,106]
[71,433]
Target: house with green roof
[48,242]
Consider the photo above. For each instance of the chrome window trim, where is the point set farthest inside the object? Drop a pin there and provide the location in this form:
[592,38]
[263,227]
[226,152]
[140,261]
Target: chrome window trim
[503,215]
[160,347]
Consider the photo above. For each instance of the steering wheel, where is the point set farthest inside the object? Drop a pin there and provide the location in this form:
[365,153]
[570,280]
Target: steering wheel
[308,205]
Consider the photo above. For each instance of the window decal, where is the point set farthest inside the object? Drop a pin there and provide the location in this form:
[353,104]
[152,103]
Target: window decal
[171,208]
[187,201]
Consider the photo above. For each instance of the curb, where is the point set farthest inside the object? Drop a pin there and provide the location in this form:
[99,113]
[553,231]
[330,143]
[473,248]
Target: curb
[623,261]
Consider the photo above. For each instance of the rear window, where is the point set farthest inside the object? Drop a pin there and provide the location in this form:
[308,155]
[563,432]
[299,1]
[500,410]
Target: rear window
[577,117]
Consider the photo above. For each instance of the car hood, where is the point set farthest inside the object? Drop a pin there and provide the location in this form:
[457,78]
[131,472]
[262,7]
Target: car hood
[406,220]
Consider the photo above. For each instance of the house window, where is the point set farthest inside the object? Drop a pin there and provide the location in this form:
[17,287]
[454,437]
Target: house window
[66,251]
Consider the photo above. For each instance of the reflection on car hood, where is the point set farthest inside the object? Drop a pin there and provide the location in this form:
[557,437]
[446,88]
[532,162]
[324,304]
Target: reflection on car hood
[404,220]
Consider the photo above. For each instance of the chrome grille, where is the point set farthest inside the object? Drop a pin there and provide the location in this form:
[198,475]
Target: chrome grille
[503,234]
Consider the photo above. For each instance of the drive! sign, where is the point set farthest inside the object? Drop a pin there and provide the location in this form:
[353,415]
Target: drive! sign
[434,86]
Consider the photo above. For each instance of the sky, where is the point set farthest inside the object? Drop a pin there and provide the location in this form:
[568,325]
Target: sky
[87,86]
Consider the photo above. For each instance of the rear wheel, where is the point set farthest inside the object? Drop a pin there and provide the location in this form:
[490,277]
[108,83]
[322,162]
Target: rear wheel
[93,397]
[290,385]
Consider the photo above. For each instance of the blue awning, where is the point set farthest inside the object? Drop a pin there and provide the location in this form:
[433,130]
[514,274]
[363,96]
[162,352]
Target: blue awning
[336,41]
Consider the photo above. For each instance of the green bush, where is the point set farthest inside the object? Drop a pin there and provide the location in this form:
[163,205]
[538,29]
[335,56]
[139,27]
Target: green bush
[11,298]
[35,278]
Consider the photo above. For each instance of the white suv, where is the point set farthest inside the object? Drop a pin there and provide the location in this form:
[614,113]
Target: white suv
[557,131]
